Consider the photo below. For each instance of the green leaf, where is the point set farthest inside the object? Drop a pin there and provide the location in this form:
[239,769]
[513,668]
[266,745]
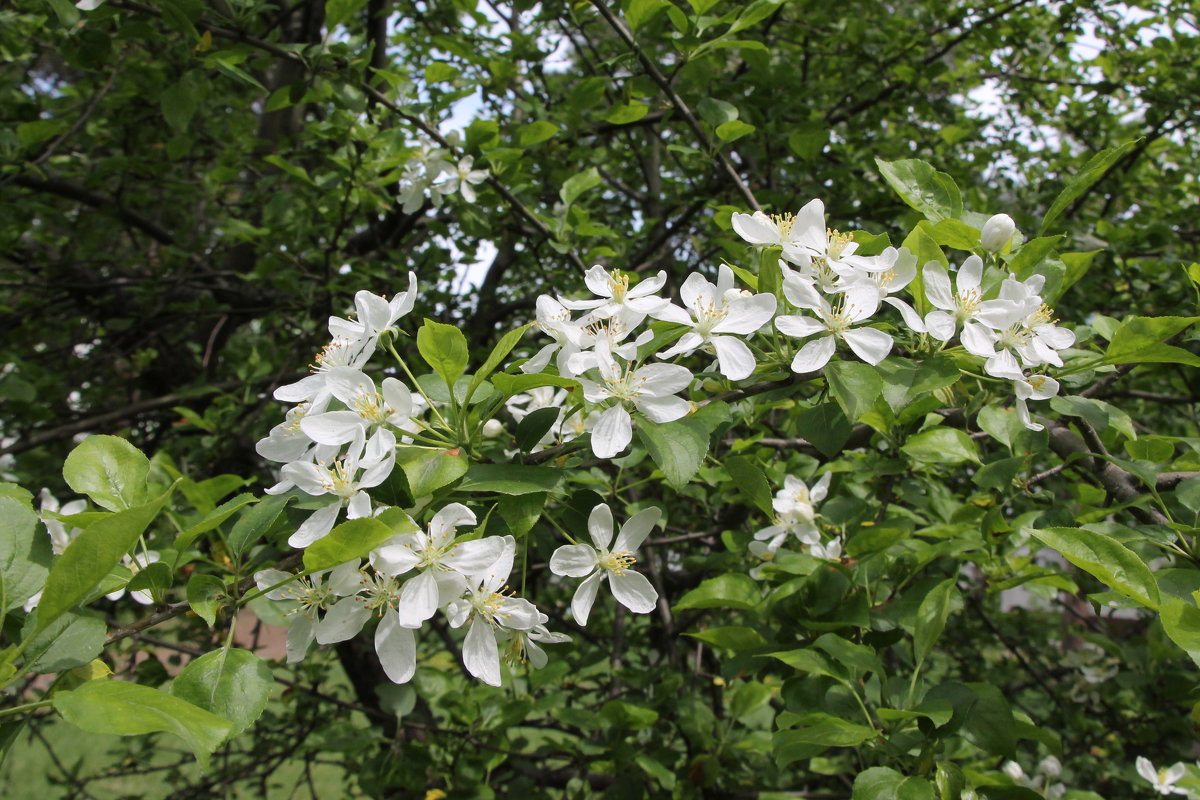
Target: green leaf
[534,426]
[733,130]
[536,133]
[956,234]
[941,445]
[339,12]
[826,731]
[731,590]
[212,520]
[92,555]
[751,482]
[1106,559]
[931,618]
[628,716]
[233,684]
[626,114]
[1137,340]
[1025,261]
[70,641]
[882,783]
[521,512]
[1181,621]
[128,709]
[503,347]
[753,14]
[811,661]
[178,103]
[854,385]
[904,381]
[716,112]
[444,348]
[678,448]
[731,637]
[109,470]
[22,560]
[351,540]
[638,12]
[513,479]
[579,183]
[509,385]
[429,470]
[204,593]
[1092,171]
[154,578]
[922,187]
[287,167]
[255,523]
[67,13]
[826,426]
[858,658]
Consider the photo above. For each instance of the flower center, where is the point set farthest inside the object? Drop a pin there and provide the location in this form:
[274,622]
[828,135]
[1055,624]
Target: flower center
[339,478]
[371,406]
[968,303]
[617,563]
[784,223]
[627,386]
[618,284]
[337,353]
[1043,316]
[837,243]
[381,592]
[840,316]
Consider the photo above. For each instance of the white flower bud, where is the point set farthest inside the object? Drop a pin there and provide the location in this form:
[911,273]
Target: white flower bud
[492,428]
[996,232]
[1050,766]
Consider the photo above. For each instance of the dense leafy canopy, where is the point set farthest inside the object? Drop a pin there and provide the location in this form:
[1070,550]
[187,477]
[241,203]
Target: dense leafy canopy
[191,189]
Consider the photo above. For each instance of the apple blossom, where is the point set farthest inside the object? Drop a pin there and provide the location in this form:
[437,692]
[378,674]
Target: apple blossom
[606,559]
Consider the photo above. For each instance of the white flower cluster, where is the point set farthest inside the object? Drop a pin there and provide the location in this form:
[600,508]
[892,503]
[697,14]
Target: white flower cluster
[795,507]
[310,440]
[1015,332]
[430,173]
[596,349]
[405,582]
[1044,780]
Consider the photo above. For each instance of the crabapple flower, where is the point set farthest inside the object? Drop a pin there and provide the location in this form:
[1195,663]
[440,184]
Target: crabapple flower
[718,309]
[834,322]
[1162,780]
[605,558]
[651,389]
[809,240]
[374,314]
[889,281]
[462,179]
[443,565]
[486,610]
[616,299]
[963,304]
[554,321]
[50,512]
[996,232]
[340,477]
[774,230]
[1034,387]
[366,408]
[311,595]
[602,340]
[523,645]
[795,507]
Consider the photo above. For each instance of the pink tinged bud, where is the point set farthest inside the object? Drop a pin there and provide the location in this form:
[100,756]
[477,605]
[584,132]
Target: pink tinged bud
[996,232]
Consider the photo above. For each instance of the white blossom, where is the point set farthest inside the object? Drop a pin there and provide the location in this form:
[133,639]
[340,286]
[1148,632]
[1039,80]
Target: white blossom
[606,559]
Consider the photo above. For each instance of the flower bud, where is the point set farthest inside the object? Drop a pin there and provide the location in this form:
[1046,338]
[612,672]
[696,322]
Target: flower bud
[492,428]
[996,232]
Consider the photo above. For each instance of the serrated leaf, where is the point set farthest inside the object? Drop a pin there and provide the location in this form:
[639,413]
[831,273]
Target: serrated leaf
[1106,559]
[231,683]
[678,448]
[128,709]
[1092,171]
[109,470]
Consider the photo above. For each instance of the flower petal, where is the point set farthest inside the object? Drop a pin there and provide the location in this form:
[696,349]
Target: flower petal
[585,595]
[480,655]
[632,590]
[814,355]
[869,344]
[612,432]
[342,621]
[574,560]
[600,526]
[635,530]
[396,647]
